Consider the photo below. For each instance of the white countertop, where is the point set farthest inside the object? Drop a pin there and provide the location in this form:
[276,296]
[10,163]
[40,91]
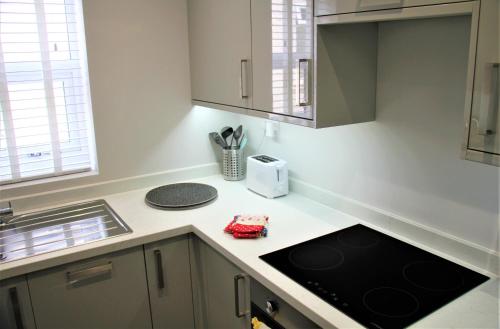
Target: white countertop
[293,219]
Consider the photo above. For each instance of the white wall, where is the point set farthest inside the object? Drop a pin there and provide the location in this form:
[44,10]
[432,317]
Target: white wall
[139,76]
[408,161]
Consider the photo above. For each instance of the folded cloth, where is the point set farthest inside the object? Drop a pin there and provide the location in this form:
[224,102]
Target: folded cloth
[256,324]
[248,226]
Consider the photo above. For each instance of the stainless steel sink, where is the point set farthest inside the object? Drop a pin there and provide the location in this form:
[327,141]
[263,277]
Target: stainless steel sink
[60,228]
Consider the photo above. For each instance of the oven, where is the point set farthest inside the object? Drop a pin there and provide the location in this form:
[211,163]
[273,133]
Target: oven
[274,312]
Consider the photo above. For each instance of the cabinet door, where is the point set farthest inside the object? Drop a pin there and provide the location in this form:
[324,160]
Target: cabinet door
[222,298]
[169,282]
[220,51]
[104,292]
[282,53]
[15,305]
[484,121]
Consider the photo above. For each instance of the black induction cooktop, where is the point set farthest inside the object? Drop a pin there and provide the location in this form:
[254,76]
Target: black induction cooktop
[375,279]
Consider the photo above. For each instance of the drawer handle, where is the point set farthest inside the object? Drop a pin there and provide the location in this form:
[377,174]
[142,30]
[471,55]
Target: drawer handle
[88,273]
[14,300]
[237,311]
[159,269]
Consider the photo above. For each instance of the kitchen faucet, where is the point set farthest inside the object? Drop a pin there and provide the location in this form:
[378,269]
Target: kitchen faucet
[6,213]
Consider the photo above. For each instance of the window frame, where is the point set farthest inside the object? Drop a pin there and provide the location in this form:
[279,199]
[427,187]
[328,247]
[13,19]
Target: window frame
[56,73]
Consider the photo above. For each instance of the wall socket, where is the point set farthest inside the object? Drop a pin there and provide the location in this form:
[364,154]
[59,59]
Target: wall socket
[272,129]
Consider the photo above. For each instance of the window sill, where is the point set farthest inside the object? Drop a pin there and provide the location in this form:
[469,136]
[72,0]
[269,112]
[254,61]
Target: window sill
[48,180]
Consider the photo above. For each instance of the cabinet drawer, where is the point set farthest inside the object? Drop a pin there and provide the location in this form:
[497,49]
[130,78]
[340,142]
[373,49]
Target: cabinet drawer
[331,7]
[104,292]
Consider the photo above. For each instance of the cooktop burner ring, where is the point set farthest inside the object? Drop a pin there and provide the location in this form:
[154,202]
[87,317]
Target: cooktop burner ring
[444,276]
[358,239]
[325,257]
[391,302]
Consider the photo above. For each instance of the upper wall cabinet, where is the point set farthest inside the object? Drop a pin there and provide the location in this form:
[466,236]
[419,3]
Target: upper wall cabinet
[254,57]
[331,7]
[482,129]
[282,54]
[220,51]
[274,59]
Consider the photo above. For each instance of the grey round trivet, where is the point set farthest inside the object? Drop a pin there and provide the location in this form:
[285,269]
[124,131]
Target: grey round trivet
[181,195]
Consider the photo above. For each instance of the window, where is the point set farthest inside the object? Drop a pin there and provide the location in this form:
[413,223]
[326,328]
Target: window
[46,119]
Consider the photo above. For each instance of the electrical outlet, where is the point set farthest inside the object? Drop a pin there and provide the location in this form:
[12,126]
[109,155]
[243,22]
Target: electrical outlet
[272,129]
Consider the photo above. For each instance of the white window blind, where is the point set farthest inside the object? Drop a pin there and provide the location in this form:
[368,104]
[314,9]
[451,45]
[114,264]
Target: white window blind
[292,39]
[45,123]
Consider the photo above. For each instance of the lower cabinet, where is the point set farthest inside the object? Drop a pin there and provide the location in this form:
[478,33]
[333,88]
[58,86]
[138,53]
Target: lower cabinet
[169,283]
[221,290]
[15,305]
[104,292]
[180,282]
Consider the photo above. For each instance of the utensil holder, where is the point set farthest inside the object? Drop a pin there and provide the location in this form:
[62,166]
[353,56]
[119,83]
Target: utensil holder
[232,164]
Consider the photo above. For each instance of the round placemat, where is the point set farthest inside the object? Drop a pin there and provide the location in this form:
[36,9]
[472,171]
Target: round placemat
[181,195]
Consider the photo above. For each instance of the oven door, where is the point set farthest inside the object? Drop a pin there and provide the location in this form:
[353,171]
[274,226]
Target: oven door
[274,312]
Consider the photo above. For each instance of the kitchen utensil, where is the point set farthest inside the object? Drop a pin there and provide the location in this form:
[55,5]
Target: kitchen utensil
[236,135]
[224,128]
[217,139]
[225,133]
[243,142]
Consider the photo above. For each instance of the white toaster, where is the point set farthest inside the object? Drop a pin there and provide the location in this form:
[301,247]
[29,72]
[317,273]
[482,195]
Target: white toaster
[267,176]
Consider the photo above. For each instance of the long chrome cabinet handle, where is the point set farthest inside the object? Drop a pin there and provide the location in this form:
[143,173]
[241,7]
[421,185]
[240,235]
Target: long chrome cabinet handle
[244,78]
[490,91]
[88,273]
[496,66]
[14,300]
[159,269]
[307,83]
[237,310]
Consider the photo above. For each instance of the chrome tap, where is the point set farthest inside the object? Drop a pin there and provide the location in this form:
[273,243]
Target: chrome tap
[6,213]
